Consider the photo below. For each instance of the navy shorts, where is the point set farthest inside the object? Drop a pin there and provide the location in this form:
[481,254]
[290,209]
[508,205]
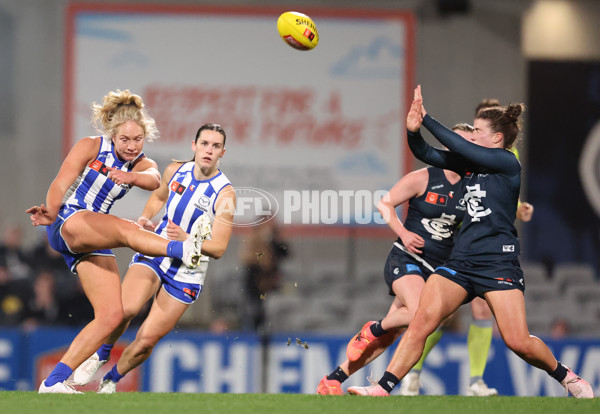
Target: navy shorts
[479,277]
[400,263]
[57,242]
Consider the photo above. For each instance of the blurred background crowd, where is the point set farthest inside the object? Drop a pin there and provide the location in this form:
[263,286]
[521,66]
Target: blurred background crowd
[36,286]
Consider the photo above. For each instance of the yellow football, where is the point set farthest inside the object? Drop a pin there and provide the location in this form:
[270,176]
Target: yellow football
[298,30]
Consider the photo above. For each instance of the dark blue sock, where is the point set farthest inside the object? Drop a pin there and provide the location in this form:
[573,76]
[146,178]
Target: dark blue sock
[560,373]
[388,381]
[113,375]
[104,351]
[60,373]
[377,330]
[338,375]
[175,249]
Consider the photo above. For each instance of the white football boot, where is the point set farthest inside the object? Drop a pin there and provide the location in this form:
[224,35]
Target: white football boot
[107,387]
[480,389]
[64,387]
[577,386]
[411,384]
[86,371]
[192,246]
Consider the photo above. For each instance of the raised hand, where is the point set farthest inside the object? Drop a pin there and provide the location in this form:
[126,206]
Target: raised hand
[414,119]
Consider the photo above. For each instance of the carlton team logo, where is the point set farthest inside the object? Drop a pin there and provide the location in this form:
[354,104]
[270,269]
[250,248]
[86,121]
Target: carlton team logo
[474,200]
[440,228]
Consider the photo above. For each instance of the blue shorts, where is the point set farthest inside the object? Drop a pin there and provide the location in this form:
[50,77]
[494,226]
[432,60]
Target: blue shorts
[479,277]
[57,242]
[181,291]
[400,263]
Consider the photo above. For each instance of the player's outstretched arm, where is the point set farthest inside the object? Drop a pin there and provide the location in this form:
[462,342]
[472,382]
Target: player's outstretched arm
[82,153]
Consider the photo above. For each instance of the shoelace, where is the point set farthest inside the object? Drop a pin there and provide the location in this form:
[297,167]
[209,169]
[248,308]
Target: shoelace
[372,380]
[373,384]
[69,384]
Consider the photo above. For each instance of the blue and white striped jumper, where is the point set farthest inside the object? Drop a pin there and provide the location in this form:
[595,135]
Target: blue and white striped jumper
[188,199]
[91,191]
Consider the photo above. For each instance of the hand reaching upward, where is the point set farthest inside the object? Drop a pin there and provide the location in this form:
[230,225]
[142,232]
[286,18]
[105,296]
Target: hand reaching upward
[414,119]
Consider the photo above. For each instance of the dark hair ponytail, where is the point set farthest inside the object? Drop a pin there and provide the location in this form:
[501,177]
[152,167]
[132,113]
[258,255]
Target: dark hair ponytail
[506,120]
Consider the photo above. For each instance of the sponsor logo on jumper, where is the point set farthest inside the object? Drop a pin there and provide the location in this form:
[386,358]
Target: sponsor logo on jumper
[177,187]
[100,167]
[435,187]
[203,203]
[508,248]
[435,198]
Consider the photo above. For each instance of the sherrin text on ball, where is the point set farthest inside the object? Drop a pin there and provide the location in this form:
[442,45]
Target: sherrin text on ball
[298,30]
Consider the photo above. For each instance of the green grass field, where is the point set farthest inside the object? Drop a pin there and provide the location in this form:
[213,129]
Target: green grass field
[177,403]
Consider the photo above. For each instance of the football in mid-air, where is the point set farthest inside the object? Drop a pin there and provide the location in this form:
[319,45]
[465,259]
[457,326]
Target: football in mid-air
[298,30]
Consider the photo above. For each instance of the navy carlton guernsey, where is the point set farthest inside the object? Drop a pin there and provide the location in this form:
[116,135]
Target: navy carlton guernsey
[435,215]
[491,184]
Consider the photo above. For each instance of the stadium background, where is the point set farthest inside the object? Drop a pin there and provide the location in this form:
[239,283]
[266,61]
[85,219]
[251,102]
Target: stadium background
[543,53]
